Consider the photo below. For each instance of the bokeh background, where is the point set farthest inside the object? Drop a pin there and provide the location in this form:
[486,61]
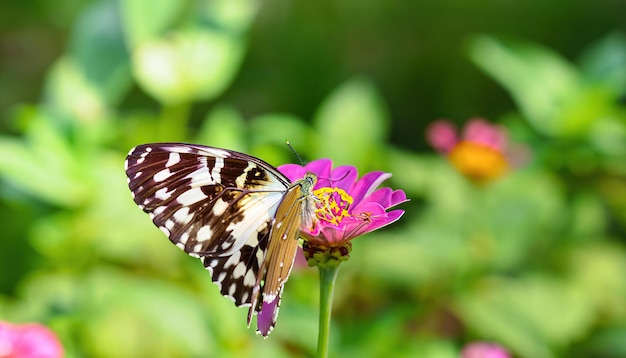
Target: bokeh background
[534,261]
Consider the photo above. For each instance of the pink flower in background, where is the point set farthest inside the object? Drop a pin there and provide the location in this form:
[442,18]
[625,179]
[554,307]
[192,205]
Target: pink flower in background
[484,350]
[482,153]
[442,135]
[31,340]
[348,207]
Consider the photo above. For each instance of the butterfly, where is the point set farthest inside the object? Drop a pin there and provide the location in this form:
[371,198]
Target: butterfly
[236,213]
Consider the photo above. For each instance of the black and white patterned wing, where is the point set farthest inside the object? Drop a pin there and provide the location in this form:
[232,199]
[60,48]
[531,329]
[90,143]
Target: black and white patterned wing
[215,204]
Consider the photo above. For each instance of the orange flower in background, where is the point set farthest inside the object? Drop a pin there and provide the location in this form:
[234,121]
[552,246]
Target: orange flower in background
[480,153]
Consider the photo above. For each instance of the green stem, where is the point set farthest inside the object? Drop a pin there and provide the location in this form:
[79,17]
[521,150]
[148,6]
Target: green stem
[328,274]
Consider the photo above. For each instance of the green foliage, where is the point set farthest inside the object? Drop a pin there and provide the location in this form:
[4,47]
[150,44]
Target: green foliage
[535,261]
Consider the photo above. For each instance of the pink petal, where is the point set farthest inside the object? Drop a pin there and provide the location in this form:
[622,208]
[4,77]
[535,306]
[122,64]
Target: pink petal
[333,235]
[29,341]
[292,171]
[343,177]
[372,207]
[484,350]
[377,215]
[398,197]
[441,135]
[367,184]
[480,131]
[321,168]
[381,196]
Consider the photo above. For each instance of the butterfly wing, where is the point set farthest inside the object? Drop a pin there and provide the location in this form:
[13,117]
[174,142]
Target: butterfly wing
[215,204]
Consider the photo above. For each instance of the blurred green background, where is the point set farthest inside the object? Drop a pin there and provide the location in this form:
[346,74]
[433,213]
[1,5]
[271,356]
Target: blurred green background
[535,261]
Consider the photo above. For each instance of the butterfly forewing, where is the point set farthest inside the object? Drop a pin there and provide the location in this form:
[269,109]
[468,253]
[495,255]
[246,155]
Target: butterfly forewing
[226,208]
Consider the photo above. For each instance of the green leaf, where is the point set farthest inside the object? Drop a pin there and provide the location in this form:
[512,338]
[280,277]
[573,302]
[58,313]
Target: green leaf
[69,94]
[44,165]
[549,91]
[235,16]
[352,125]
[188,65]
[599,270]
[530,315]
[148,19]
[270,132]
[605,62]
[97,44]
[224,127]
[132,311]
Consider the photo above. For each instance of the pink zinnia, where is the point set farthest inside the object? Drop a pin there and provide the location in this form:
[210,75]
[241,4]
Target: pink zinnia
[484,350]
[348,207]
[31,340]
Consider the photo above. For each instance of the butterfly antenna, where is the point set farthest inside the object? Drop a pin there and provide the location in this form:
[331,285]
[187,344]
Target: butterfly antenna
[294,152]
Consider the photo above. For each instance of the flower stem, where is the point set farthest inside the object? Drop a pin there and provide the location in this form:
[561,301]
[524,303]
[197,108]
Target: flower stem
[328,274]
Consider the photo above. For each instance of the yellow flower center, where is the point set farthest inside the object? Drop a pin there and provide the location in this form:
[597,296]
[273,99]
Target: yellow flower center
[333,204]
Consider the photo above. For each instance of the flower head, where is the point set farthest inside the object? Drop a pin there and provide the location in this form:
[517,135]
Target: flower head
[347,206]
[484,350]
[481,153]
[30,340]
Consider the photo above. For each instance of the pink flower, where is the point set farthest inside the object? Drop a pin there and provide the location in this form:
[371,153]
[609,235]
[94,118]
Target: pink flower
[345,208]
[481,154]
[484,350]
[31,340]
[348,207]
[442,135]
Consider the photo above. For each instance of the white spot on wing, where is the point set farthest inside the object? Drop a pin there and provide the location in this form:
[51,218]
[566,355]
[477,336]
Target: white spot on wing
[250,279]
[239,270]
[182,215]
[162,175]
[221,278]
[244,297]
[241,179]
[219,207]
[217,169]
[162,194]
[233,260]
[269,298]
[174,159]
[204,233]
[214,152]
[191,196]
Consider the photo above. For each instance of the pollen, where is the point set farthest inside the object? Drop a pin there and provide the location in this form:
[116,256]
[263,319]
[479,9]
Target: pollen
[333,205]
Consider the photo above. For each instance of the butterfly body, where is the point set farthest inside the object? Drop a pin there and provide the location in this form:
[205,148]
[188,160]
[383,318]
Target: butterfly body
[235,212]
